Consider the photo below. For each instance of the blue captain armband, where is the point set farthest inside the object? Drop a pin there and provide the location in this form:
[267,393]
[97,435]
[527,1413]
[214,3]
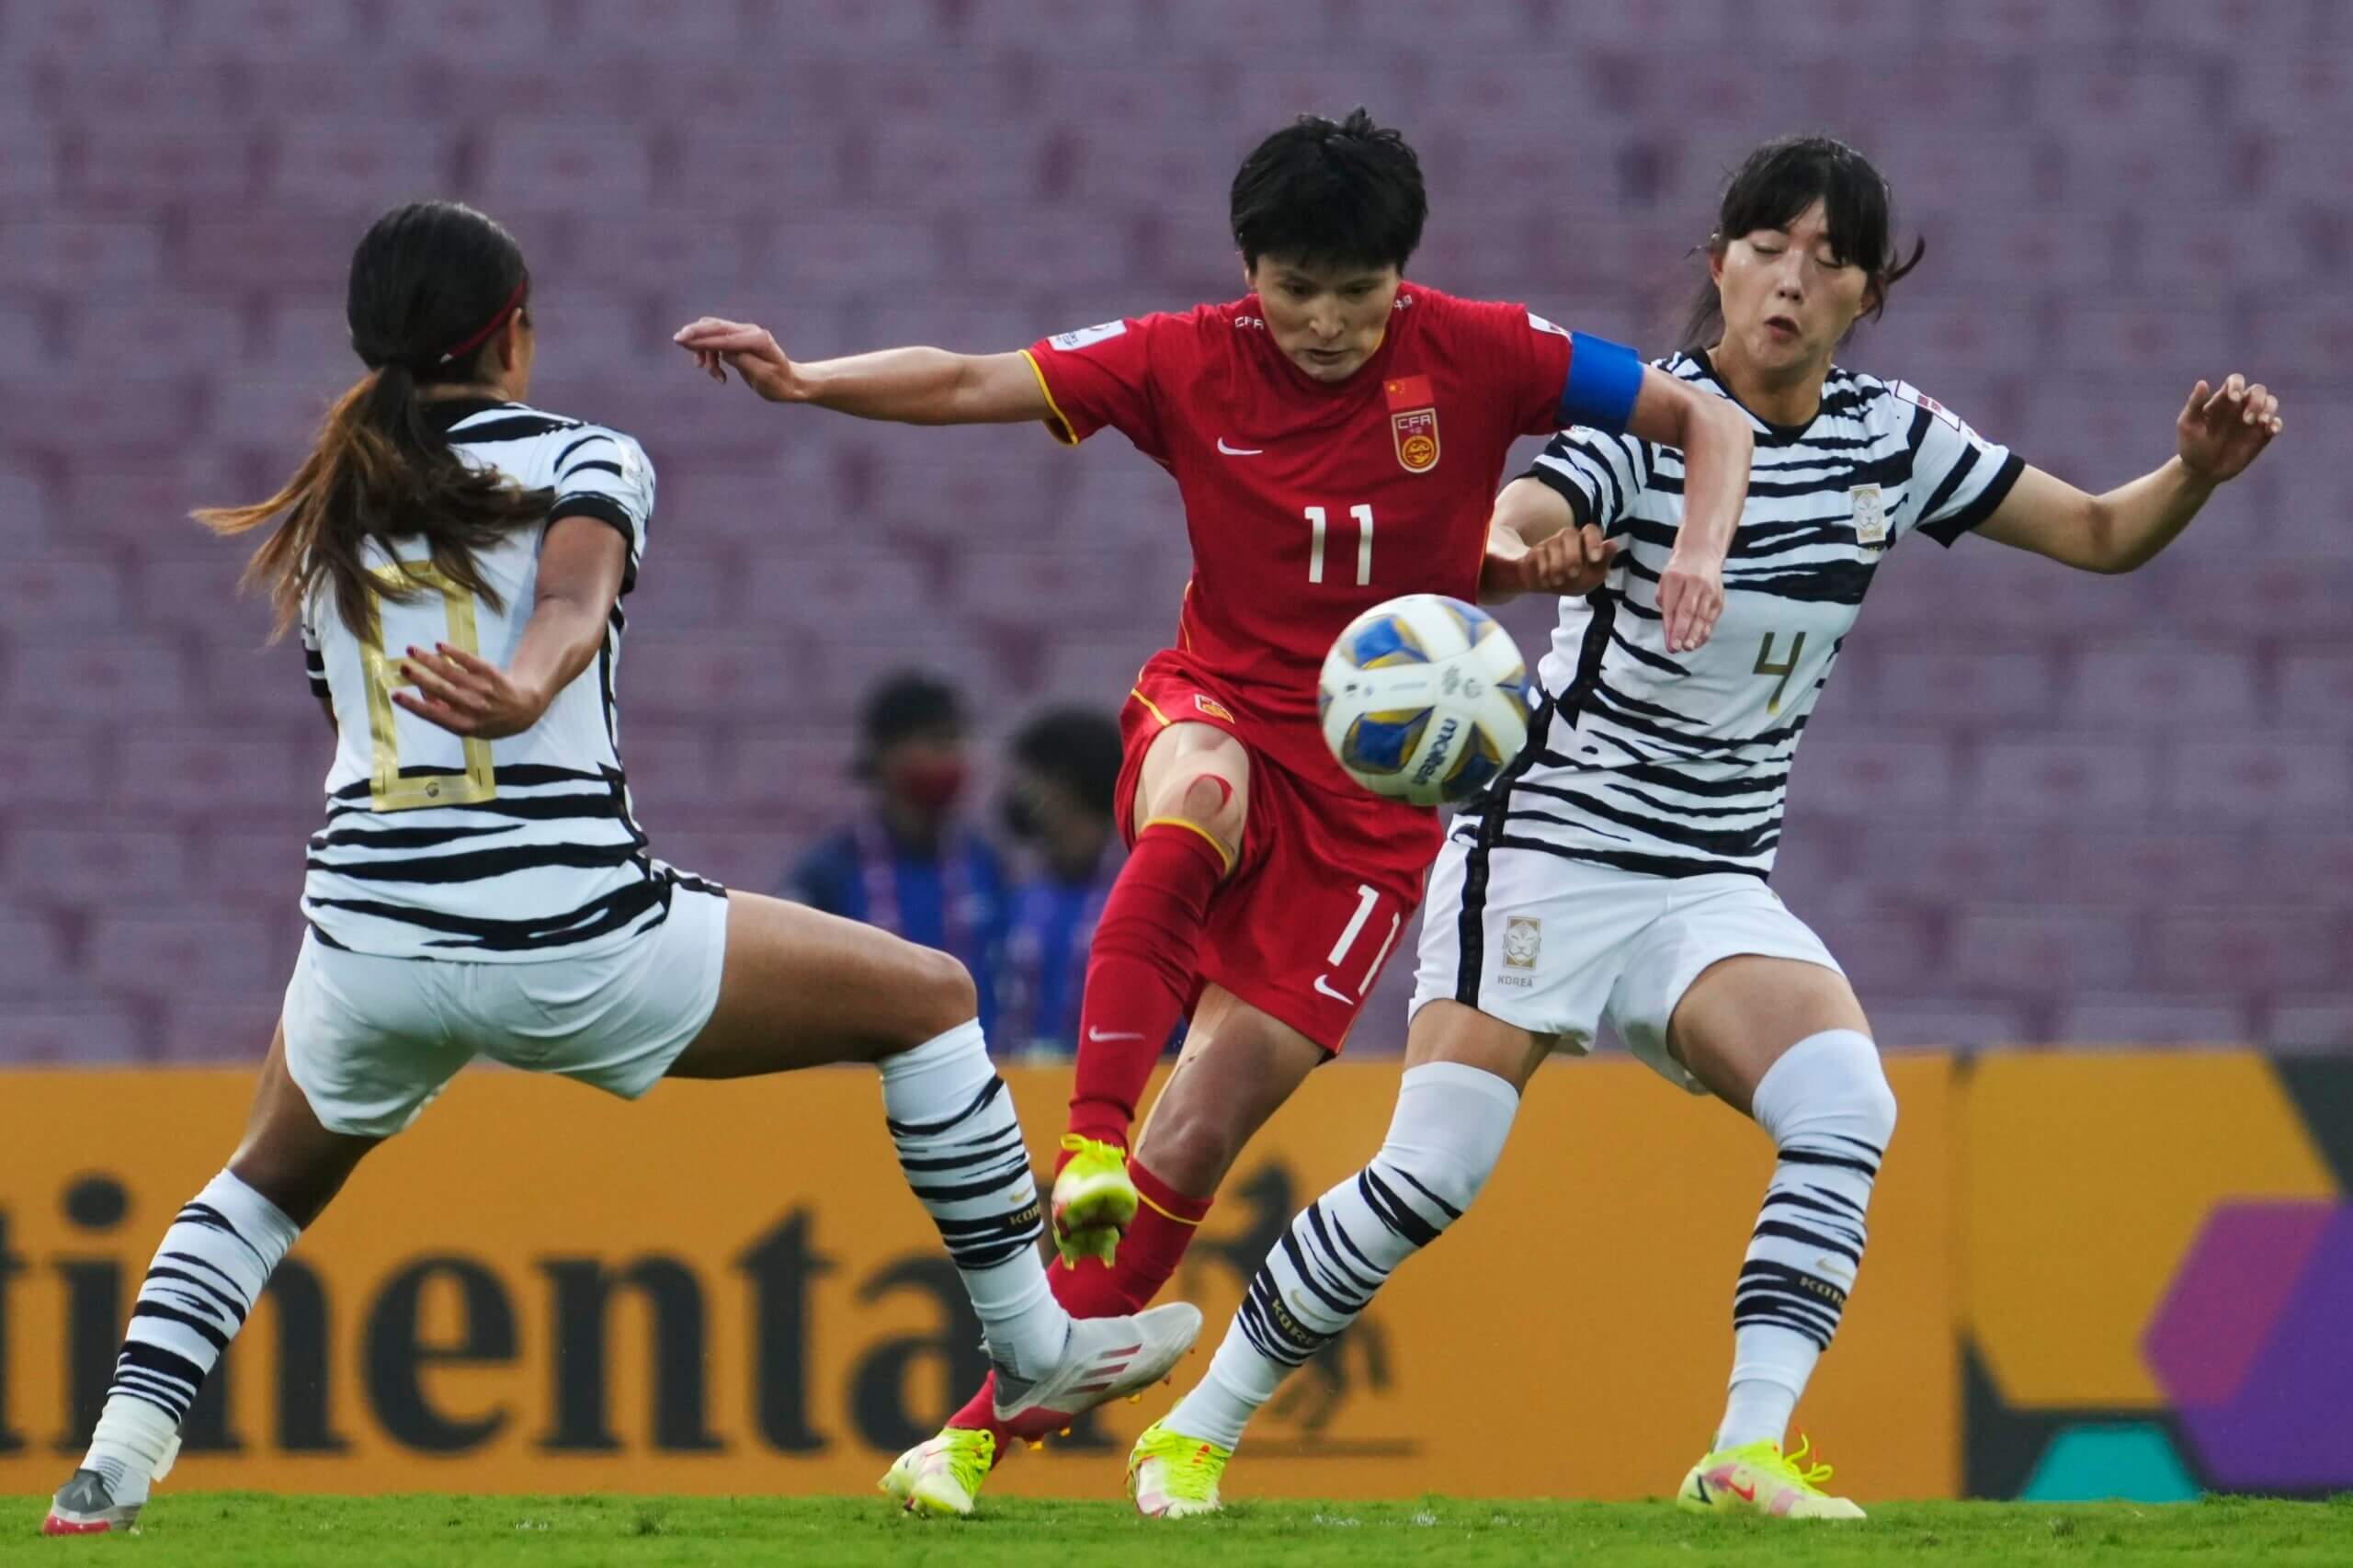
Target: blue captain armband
[1604,376]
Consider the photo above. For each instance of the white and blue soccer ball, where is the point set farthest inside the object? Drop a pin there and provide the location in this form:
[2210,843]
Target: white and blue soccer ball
[1425,699]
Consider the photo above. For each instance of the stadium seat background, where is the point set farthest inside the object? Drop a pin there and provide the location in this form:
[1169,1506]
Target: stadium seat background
[2036,806]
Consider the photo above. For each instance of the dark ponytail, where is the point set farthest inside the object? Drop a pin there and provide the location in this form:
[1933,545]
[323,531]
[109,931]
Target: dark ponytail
[1772,188]
[432,285]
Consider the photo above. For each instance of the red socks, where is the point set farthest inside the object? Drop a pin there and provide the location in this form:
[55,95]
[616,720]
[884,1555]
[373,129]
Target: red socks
[1139,978]
[1140,972]
[1164,1227]
[979,1414]
[1165,1224]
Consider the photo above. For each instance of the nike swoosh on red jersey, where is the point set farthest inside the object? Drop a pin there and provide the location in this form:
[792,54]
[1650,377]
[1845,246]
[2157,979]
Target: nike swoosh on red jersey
[1101,1036]
[1238,451]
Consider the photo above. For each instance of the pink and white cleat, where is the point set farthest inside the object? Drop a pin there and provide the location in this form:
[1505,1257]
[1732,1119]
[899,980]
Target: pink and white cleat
[1103,1359]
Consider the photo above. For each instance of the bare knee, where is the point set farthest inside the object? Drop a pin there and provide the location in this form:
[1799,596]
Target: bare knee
[939,991]
[1190,1146]
[923,993]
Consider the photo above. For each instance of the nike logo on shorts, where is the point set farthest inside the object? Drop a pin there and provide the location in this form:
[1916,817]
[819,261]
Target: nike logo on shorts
[1103,1037]
[1239,451]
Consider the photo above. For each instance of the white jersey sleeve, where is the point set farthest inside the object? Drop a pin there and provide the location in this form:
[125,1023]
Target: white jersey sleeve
[1598,474]
[315,662]
[1957,476]
[604,474]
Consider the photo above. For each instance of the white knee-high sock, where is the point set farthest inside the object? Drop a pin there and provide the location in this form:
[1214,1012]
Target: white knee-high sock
[1828,1108]
[219,1252]
[960,1144]
[1446,1133]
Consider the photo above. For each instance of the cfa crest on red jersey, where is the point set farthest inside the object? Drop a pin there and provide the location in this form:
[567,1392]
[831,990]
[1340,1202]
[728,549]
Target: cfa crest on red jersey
[1412,422]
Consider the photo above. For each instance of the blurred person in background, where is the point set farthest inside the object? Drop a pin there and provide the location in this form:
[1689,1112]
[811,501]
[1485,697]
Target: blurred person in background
[455,560]
[1617,870]
[1057,807]
[907,862]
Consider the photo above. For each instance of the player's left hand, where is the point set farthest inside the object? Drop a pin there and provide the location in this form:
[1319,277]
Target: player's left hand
[1572,563]
[1691,597]
[2219,435]
[466,694]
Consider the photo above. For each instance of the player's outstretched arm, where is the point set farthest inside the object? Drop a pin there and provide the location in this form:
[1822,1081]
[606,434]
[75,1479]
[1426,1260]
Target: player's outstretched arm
[914,386]
[1535,545]
[2218,433]
[1716,442]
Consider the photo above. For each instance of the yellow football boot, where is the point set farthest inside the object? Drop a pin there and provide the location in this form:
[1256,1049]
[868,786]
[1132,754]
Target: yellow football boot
[1094,1201]
[943,1475]
[1172,1476]
[1758,1478]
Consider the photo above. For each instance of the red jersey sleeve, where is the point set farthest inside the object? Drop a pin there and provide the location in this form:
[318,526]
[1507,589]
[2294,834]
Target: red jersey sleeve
[1103,375]
[1525,360]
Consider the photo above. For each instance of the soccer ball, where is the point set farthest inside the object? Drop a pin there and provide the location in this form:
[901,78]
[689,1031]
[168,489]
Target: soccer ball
[1424,699]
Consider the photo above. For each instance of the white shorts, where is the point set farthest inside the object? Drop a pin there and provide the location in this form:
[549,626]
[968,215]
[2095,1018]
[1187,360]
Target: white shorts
[1555,946]
[370,1040]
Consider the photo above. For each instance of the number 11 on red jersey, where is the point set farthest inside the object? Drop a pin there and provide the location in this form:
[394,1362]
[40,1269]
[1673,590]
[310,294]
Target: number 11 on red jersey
[1318,521]
[1367,898]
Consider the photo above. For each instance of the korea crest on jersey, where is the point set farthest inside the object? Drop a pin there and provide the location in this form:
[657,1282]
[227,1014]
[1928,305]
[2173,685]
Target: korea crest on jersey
[1870,521]
[1412,422]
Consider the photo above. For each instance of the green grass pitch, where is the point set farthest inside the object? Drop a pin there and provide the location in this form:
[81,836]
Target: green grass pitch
[199,1529]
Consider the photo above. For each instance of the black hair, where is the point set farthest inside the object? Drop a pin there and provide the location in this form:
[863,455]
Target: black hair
[1343,195]
[1775,184]
[1079,749]
[432,284]
[906,703]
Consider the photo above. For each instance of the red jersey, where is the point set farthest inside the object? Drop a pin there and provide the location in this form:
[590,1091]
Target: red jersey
[1309,501]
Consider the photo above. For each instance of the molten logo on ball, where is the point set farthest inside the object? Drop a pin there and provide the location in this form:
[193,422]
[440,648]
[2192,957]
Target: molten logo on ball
[1424,699]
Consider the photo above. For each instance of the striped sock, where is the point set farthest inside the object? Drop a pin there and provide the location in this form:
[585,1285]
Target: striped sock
[960,1144]
[213,1262]
[1448,1130]
[1830,1112]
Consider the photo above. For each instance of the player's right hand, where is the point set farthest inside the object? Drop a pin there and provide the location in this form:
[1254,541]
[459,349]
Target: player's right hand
[1572,563]
[753,350]
[1691,597]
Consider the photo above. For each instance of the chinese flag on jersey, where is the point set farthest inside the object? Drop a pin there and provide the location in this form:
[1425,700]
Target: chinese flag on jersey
[1309,501]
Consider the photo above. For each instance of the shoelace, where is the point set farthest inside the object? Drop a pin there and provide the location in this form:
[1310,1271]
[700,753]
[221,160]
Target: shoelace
[1075,1144]
[1811,1477]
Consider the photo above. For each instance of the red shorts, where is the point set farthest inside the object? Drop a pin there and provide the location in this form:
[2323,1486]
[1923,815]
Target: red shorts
[1325,883]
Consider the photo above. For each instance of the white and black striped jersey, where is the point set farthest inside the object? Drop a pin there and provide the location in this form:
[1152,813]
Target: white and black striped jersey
[1678,765]
[506,850]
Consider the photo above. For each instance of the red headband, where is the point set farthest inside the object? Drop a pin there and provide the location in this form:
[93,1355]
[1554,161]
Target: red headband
[479,338]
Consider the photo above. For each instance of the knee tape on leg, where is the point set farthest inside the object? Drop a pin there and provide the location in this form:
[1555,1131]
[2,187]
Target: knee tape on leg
[1205,795]
[1829,1083]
